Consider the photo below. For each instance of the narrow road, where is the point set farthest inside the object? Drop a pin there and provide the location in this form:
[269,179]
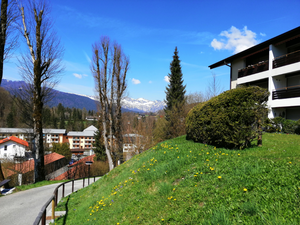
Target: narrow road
[23,207]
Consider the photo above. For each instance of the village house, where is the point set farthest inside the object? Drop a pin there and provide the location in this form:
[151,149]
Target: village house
[12,147]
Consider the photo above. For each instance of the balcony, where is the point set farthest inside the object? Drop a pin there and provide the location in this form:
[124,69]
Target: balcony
[252,69]
[287,92]
[286,59]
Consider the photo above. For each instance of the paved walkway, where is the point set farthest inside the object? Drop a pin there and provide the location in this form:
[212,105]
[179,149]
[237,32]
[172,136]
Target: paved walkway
[23,207]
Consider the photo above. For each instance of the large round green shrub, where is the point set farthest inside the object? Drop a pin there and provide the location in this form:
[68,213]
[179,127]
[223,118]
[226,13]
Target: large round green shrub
[230,119]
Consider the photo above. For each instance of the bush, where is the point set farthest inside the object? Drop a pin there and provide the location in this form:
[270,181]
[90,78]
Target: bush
[230,119]
[280,124]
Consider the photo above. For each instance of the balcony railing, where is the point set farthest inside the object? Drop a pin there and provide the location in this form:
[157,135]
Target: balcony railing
[287,92]
[252,69]
[286,59]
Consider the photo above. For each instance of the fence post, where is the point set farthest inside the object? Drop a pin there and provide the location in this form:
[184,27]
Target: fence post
[83,182]
[94,179]
[63,191]
[44,217]
[72,186]
[53,211]
[56,197]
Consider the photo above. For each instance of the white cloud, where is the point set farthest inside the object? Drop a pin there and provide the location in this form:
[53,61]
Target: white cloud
[237,40]
[79,75]
[167,79]
[262,34]
[135,81]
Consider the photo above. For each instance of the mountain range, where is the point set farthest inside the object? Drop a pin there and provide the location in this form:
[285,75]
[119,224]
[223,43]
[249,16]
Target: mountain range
[72,100]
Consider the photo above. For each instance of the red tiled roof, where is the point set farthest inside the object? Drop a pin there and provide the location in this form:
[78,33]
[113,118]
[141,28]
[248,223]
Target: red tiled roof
[29,165]
[72,170]
[15,139]
[83,160]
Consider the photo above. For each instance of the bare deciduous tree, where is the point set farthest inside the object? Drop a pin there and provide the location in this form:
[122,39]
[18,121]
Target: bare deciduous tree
[8,38]
[214,87]
[40,67]
[109,68]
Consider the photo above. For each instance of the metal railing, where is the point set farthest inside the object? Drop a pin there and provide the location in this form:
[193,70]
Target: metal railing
[287,59]
[53,199]
[252,69]
[286,92]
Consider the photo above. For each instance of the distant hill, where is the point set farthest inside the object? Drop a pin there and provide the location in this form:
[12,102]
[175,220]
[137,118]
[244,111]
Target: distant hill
[66,99]
[88,102]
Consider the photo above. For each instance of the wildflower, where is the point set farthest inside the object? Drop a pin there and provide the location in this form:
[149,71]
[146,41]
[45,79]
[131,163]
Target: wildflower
[245,189]
[207,153]
[219,177]
[162,219]
[290,162]
[239,154]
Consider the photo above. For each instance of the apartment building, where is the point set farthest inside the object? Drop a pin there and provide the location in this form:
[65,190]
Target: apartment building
[81,139]
[50,135]
[274,65]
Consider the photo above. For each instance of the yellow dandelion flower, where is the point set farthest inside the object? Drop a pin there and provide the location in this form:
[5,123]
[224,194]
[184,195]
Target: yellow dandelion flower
[219,177]
[245,189]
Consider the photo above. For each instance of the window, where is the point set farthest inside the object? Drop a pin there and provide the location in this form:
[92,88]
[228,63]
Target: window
[5,147]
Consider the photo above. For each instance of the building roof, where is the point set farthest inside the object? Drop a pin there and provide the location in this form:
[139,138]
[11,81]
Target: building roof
[88,132]
[30,131]
[260,47]
[72,171]
[15,139]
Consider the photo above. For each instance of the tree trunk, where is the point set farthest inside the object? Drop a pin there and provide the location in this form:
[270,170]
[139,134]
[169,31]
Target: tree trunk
[4,5]
[259,139]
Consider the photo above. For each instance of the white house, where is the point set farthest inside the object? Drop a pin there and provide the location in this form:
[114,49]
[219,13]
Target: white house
[11,147]
[274,65]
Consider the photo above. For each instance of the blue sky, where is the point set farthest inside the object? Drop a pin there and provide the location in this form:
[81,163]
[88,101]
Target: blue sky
[148,31]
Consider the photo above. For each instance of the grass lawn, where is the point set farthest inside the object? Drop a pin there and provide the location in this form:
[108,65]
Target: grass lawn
[182,182]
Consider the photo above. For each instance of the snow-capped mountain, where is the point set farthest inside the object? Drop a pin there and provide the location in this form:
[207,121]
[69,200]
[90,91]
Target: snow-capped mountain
[88,102]
[139,105]
[142,105]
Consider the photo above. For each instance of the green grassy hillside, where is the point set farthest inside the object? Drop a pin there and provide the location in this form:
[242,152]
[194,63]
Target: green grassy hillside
[182,182]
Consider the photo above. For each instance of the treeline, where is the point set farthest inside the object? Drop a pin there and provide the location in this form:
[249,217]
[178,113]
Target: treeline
[58,117]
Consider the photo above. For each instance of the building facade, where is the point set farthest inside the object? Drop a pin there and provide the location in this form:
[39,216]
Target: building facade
[12,147]
[274,65]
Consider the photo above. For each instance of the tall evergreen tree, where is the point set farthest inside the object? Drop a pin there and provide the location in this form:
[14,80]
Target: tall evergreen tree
[175,98]
[176,90]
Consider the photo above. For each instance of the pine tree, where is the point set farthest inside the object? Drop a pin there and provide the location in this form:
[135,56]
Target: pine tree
[175,99]
[99,147]
[176,90]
